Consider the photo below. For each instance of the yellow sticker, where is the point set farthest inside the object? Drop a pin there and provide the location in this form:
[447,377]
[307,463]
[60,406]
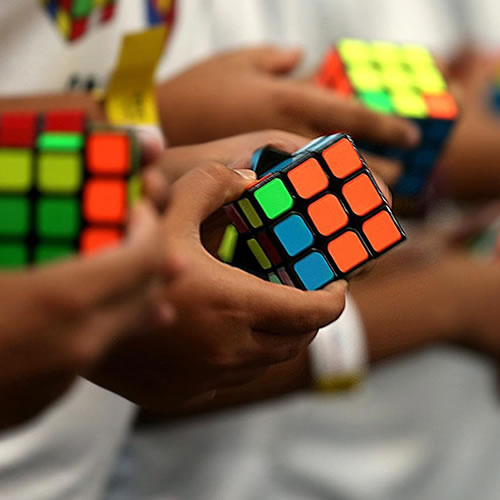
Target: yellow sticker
[130,96]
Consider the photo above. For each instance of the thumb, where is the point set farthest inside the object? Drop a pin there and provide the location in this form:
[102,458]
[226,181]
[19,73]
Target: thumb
[202,191]
[276,60]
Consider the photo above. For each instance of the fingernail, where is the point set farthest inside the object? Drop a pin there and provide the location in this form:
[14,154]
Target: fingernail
[151,134]
[247,174]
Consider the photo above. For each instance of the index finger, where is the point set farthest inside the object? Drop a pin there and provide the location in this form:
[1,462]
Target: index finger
[289,311]
[328,112]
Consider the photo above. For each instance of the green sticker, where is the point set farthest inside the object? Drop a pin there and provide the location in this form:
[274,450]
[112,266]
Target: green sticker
[134,189]
[60,141]
[47,253]
[13,256]
[274,198]
[378,101]
[58,217]
[259,254]
[227,247]
[273,278]
[82,8]
[250,212]
[14,216]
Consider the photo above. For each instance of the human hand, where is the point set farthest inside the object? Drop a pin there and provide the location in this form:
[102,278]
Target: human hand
[251,89]
[229,327]
[57,320]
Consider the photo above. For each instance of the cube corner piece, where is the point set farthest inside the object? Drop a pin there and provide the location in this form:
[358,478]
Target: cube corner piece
[315,217]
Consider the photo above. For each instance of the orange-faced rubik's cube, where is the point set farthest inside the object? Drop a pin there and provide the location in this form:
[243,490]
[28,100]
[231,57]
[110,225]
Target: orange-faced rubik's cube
[74,17]
[402,80]
[64,187]
[315,216]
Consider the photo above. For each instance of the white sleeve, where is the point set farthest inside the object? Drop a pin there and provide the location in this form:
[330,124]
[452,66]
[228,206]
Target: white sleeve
[339,350]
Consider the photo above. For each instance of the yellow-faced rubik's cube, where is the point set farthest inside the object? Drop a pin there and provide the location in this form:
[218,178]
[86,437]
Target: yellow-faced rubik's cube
[315,216]
[64,187]
[74,17]
[402,80]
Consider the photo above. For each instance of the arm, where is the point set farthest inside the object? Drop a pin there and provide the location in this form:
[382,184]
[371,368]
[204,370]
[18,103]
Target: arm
[399,315]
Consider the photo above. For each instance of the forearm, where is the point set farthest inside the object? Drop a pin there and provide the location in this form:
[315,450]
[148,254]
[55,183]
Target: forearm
[471,165]
[408,311]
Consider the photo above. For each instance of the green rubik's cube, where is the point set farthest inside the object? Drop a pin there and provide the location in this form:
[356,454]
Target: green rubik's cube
[65,188]
[402,80]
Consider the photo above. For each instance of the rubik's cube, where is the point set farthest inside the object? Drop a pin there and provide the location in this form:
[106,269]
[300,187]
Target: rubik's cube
[402,80]
[65,188]
[495,91]
[315,216]
[160,12]
[73,18]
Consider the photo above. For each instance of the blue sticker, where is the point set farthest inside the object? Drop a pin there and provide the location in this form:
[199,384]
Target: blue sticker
[294,235]
[314,271]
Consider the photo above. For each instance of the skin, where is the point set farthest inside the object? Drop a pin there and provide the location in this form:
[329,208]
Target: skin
[68,327]
[162,354]
[250,89]
[397,302]
[470,164]
[230,326]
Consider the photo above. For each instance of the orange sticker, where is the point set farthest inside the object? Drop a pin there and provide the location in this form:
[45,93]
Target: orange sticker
[347,251]
[104,201]
[308,179]
[342,159]
[96,239]
[108,153]
[381,231]
[441,106]
[328,215]
[361,195]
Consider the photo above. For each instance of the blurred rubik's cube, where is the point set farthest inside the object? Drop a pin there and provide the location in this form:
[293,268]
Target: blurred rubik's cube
[160,12]
[495,91]
[65,188]
[315,216]
[402,80]
[74,18]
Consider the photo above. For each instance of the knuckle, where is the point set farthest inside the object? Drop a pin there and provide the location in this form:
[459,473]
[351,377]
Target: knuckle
[83,352]
[225,360]
[214,171]
[65,303]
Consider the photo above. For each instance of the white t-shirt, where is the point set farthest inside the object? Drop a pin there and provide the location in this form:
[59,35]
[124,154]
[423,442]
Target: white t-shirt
[68,451]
